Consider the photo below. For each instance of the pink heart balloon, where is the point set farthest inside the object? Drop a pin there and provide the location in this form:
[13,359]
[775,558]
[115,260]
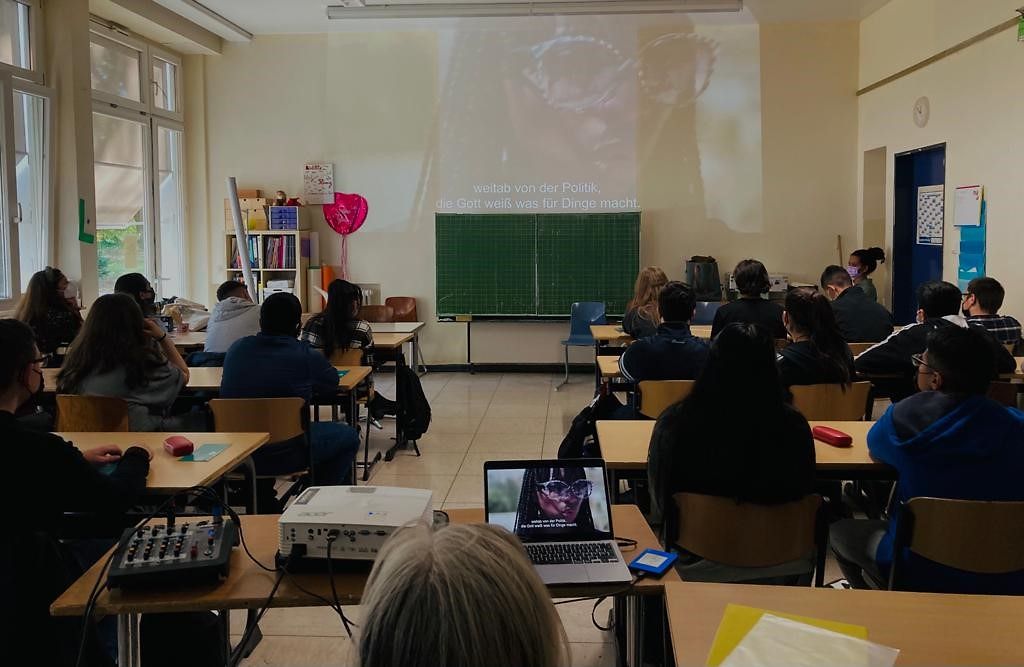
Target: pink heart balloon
[347,213]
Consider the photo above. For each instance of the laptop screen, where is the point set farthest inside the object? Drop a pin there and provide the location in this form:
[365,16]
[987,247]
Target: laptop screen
[549,500]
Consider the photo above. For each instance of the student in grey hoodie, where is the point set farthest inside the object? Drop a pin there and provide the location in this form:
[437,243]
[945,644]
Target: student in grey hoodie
[234,317]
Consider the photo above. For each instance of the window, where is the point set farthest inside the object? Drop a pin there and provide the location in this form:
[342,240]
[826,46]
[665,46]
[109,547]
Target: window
[139,154]
[16,37]
[31,167]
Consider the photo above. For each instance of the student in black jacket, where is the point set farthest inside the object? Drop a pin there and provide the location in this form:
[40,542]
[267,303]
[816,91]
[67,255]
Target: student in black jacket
[860,318]
[734,436]
[36,567]
[938,307]
[673,353]
[753,283]
[818,354]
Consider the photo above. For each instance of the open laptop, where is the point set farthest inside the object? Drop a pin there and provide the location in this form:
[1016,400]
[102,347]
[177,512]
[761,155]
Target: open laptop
[561,512]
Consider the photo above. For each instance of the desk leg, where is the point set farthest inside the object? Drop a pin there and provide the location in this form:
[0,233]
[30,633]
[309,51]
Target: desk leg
[128,647]
[416,354]
[469,345]
[597,368]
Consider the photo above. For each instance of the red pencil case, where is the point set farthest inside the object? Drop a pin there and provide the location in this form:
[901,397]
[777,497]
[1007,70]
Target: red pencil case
[178,445]
[831,436]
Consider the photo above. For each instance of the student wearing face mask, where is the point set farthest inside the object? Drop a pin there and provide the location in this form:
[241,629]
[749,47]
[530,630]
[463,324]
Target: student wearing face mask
[35,567]
[55,320]
[862,264]
[860,318]
[138,287]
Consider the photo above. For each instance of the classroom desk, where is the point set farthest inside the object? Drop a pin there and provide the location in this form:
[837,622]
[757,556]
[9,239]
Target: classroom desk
[209,378]
[168,474]
[625,443]
[403,327]
[248,586]
[927,628]
[188,341]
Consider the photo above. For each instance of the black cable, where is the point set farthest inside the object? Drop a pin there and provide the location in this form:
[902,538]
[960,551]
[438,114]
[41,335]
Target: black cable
[331,536]
[593,618]
[623,591]
[234,658]
[625,542]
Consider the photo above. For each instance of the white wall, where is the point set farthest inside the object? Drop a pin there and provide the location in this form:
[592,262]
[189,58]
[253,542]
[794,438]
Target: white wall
[977,109]
[270,107]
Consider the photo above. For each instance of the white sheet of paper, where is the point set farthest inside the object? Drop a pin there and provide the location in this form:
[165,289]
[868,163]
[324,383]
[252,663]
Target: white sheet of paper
[968,206]
[780,641]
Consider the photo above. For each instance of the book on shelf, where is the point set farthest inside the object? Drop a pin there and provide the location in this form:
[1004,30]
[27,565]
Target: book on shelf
[236,259]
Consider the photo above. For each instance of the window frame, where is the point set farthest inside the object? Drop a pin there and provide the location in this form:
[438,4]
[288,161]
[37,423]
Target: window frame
[159,278]
[9,192]
[156,53]
[34,72]
[118,42]
[49,167]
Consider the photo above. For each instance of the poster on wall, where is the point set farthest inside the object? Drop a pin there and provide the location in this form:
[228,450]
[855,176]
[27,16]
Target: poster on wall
[968,205]
[318,183]
[930,214]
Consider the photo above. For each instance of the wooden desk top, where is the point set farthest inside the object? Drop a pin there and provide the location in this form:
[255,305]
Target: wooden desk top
[928,628]
[624,446]
[609,366]
[391,341]
[192,339]
[248,586]
[167,473]
[701,331]
[209,378]
[396,327]
[609,333]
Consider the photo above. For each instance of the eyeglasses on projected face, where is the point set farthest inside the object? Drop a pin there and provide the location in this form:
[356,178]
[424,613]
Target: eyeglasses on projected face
[556,488]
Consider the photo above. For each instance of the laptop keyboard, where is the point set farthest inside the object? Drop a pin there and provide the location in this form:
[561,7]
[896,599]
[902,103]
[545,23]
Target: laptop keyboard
[571,553]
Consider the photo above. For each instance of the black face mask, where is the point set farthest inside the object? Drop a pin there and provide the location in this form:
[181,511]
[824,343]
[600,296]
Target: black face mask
[33,396]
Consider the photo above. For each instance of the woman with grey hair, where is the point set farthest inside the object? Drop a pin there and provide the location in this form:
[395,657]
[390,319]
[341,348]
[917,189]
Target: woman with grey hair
[460,596]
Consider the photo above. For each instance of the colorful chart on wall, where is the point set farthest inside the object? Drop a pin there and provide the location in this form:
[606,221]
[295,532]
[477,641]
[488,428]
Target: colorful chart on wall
[931,216]
[971,259]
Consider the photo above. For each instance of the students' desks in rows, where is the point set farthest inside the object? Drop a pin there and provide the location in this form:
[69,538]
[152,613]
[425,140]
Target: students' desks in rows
[927,628]
[209,378]
[167,473]
[625,443]
[248,585]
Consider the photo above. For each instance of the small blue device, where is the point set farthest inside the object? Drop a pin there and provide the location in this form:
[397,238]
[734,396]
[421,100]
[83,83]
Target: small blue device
[654,562]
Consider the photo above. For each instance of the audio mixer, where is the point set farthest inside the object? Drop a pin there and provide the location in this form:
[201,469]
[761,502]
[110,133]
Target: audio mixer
[183,553]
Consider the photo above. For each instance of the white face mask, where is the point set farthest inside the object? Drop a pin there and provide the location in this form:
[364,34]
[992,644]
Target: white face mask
[71,291]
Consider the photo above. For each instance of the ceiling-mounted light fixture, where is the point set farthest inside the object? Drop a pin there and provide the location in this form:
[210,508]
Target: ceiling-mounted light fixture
[356,9]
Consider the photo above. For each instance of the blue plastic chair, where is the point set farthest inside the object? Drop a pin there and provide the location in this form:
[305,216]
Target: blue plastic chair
[705,313]
[581,316]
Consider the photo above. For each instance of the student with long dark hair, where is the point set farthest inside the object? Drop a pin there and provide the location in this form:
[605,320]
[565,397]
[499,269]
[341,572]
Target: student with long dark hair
[862,264]
[735,435]
[817,354]
[339,328]
[54,319]
[121,353]
[138,287]
[753,283]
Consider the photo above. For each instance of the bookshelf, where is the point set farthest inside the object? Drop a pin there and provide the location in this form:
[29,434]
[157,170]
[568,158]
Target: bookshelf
[276,254]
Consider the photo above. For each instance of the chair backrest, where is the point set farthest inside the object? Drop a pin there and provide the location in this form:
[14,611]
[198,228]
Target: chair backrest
[832,402]
[347,357]
[583,314]
[282,418]
[705,312]
[653,396]
[91,414]
[979,536]
[781,344]
[377,313]
[404,308]
[860,348]
[746,534]
[1004,393]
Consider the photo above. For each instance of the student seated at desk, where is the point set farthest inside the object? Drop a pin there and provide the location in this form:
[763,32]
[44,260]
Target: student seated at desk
[948,441]
[235,316]
[938,308]
[55,320]
[642,317]
[862,264]
[275,364]
[818,354]
[981,308]
[753,283]
[58,478]
[120,353]
[458,596]
[860,318]
[673,353]
[138,287]
[735,436]
[338,329]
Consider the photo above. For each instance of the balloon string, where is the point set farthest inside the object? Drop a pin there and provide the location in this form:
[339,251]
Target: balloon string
[344,256]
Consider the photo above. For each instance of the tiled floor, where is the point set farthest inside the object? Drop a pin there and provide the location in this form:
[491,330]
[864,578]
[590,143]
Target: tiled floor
[475,418]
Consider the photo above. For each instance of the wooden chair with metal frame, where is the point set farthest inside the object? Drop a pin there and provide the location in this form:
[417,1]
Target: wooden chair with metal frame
[91,414]
[979,536]
[753,536]
[654,396]
[832,402]
[283,419]
[377,313]
[404,308]
[354,357]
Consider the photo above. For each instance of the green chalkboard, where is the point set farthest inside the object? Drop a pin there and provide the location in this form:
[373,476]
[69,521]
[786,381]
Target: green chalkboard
[532,265]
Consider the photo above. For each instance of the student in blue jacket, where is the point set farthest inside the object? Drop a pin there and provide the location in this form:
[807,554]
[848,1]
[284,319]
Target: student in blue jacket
[947,441]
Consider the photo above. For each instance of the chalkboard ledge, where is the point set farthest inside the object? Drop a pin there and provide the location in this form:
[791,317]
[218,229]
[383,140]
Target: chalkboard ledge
[612,319]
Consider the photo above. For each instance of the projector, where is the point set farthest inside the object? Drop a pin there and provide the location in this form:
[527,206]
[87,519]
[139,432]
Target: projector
[361,517]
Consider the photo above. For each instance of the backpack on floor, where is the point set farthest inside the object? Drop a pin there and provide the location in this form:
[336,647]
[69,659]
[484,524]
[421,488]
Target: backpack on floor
[413,414]
[581,440]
